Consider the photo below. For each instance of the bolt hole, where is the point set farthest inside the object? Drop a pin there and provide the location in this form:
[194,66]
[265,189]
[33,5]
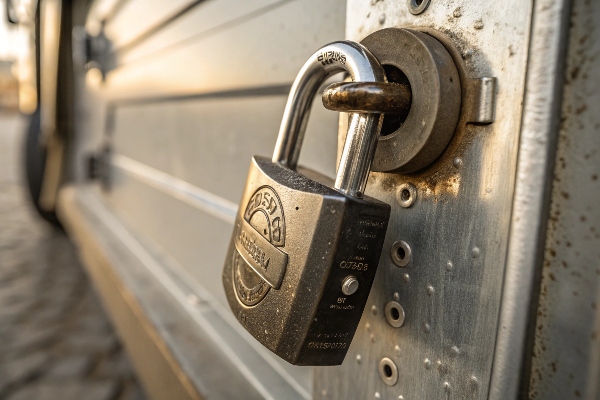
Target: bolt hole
[416,7]
[391,123]
[405,195]
[401,253]
[394,314]
[387,370]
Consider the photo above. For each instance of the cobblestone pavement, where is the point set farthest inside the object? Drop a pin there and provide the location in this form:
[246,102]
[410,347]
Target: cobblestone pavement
[55,340]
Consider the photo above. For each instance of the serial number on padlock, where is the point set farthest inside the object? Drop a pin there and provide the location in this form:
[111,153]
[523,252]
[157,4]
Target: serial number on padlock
[359,266]
[327,345]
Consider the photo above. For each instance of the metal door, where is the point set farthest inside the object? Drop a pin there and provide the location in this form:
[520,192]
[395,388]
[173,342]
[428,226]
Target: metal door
[477,226]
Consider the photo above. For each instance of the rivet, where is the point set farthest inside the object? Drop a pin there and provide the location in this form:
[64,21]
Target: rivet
[475,252]
[358,358]
[397,351]
[382,19]
[406,278]
[446,386]
[457,162]
[430,290]
[427,363]
[377,395]
[406,194]
[455,351]
[374,309]
[449,266]
[193,299]
[396,296]
[426,327]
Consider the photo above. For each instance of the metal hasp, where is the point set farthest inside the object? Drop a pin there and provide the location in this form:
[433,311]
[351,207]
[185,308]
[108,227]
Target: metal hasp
[303,255]
[434,97]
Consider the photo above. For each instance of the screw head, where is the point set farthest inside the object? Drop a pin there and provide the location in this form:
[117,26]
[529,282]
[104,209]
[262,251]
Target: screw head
[349,285]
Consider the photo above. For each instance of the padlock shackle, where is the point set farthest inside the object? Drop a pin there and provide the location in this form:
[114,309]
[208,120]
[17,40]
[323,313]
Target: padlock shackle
[364,129]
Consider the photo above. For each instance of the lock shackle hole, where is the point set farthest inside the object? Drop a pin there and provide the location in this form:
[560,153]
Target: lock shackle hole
[364,129]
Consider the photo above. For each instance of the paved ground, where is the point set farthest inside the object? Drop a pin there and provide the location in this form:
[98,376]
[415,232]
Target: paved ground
[55,340]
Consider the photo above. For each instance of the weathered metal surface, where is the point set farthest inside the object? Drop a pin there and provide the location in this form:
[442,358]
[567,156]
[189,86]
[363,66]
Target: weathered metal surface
[566,352]
[537,146]
[371,97]
[457,228]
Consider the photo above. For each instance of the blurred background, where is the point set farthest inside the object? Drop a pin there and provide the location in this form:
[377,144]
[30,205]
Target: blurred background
[55,339]
[17,58]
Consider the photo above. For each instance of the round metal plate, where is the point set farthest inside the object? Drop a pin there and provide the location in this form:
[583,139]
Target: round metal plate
[436,99]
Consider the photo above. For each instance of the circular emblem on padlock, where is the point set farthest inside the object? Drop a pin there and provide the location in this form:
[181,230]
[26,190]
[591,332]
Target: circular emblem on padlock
[258,263]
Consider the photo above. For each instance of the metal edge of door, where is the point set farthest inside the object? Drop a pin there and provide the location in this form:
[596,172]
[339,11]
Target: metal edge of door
[535,168]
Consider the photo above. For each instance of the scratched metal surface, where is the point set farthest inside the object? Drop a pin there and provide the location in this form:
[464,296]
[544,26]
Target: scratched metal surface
[566,361]
[457,229]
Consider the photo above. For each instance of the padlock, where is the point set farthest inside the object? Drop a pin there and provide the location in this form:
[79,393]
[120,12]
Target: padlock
[303,254]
